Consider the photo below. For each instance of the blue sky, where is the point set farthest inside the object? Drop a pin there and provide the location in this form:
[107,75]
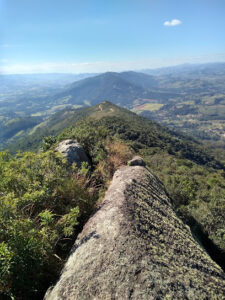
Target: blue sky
[99,35]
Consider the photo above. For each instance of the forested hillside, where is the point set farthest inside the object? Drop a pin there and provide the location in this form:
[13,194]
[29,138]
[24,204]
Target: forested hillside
[45,202]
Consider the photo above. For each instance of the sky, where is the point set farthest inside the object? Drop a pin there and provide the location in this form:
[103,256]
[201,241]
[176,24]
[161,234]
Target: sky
[79,36]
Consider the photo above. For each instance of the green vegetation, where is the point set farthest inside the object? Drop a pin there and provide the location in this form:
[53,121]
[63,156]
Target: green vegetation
[10,129]
[193,178]
[44,202]
[41,201]
[52,126]
[148,107]
[197,192]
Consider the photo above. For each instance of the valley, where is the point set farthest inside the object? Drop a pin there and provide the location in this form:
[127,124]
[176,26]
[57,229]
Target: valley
[190,99]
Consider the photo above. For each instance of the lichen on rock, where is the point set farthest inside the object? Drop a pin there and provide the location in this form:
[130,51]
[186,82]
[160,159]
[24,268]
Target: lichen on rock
[135,247]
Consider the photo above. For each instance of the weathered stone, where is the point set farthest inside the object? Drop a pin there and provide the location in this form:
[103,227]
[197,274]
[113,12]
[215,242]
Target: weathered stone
[73,152]
[136,161]
[135,247]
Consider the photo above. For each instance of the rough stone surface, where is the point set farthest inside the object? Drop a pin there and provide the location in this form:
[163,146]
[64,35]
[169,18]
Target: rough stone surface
[73,152]
[135,247]
[136,161]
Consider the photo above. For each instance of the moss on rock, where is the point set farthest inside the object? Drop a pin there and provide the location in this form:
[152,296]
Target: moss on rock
[135,247]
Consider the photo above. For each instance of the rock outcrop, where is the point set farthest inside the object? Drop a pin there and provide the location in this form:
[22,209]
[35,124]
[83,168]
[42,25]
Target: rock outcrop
[73,152]
[137,161]
[135,247]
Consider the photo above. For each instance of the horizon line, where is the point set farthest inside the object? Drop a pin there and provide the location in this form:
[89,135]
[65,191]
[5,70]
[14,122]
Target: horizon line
[110,70]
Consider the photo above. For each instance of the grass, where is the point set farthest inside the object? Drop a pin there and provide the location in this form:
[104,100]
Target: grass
[147,106]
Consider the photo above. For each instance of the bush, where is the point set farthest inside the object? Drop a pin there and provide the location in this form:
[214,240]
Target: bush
[42,201]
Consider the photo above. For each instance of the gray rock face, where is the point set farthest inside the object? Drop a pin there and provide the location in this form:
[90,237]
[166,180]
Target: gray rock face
[135,247]
[136,161]
[73,152]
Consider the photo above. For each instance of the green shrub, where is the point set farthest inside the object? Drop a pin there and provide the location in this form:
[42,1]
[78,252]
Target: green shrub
[42,200]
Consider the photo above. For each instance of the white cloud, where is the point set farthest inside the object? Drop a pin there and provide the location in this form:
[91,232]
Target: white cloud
[174,22]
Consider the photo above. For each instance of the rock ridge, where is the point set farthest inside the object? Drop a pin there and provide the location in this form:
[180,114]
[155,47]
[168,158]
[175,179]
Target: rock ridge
[135,247]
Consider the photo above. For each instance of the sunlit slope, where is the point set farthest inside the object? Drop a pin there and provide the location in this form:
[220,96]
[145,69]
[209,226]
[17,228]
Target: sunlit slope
[126,125]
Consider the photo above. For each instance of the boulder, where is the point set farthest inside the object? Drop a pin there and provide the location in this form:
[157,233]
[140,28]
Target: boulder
[73,152]
[135,247]
[136,161]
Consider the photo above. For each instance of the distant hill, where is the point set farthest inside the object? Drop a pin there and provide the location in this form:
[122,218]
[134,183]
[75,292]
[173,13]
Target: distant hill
[140,79]
[108,86]
[132,127]
[198,108]
[119,88]
[189,69]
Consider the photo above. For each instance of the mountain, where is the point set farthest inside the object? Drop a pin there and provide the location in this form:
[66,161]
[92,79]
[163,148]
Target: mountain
[147,132]
[119,88]
[189,69]
[189,98]
[37,96]
[45,203]
[108,86]
[191,101]
[191,174]
[140,79]
[31,96]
